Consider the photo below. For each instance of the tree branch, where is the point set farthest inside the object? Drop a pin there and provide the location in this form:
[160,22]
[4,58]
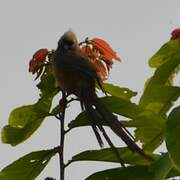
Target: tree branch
[61,117]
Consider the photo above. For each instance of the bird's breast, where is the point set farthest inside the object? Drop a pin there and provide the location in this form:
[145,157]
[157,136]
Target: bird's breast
[73,73]
[72,81]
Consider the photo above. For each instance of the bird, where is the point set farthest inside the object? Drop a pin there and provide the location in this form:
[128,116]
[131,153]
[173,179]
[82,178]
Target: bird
[77,75]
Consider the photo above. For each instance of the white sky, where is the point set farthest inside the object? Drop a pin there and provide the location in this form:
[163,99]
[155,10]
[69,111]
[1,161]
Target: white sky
[136,29]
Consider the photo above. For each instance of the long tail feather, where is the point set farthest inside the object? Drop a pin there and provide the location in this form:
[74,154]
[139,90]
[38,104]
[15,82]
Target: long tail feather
[96,125]
[114,149]
[118,128]
[90,116]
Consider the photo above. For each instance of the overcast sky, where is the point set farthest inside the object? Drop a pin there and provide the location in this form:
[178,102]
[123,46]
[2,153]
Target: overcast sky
[135,29]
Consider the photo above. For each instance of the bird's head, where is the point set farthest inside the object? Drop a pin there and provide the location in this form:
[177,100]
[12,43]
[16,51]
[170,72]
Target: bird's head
[68,41]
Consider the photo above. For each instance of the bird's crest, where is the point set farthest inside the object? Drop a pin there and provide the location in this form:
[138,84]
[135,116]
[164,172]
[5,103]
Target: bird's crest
[69,35]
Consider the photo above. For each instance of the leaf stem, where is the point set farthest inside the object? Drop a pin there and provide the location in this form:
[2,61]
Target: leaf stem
[68,130]
[69,162]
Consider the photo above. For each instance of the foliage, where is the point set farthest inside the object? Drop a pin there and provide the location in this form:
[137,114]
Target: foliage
[150,117]
[31,165]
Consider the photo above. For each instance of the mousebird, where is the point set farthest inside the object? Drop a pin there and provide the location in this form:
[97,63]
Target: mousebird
[77,75]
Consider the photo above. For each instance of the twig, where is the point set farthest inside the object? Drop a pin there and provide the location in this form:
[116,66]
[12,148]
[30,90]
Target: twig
[61,117]
[72,99]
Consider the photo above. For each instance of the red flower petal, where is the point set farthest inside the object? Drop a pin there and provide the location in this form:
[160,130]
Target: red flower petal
[31,65]
[105,48]
[40,55]
[175,34]
[37,61]
[100,54]
[108,64]
[101,70]
[86,49]
[34,66]
[95,59]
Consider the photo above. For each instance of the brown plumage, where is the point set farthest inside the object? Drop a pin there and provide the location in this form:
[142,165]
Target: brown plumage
[77,75]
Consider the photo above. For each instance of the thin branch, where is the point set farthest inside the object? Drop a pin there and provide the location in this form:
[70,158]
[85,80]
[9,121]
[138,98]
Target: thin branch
[72,99]
[61,117]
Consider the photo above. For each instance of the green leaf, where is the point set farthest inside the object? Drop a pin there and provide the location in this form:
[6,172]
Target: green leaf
[173,173]
[159,170]
[25,120]
[56,110]
[160,98]
[161,167]
[47,85]
[128,173]
[157,96]
[173,136]
[27,167]
[117,91]
[21,116]
[107,155]
[131,173]
[79,121]
[130,110]
[14,135]
[164,54]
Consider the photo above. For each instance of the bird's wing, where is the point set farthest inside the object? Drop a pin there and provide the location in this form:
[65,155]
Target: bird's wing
[76,61]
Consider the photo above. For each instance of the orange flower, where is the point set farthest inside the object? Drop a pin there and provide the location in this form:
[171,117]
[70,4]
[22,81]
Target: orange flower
[37,62]
[101,70]
[86,49]
[105,49]
[175,34]
[101,55]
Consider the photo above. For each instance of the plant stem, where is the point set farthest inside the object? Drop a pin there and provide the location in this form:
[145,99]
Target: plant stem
[69,162]
[61,153]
